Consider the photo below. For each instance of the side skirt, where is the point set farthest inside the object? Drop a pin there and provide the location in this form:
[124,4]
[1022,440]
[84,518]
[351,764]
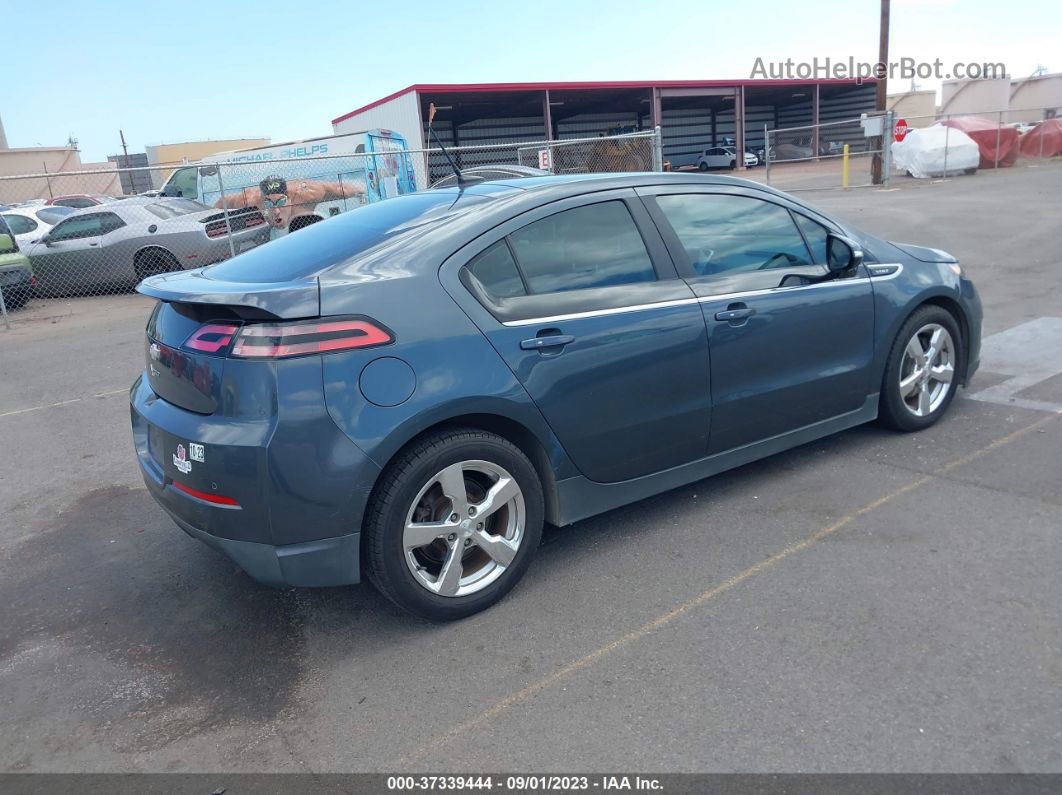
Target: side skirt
[580,498]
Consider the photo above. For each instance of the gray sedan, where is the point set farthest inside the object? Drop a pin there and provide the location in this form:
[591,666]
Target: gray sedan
[116,245]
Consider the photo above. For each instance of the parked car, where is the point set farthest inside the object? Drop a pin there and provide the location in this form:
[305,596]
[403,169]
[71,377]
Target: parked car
[16,273]
[719,157]
[409,390]
[792,152]
[30,223]
[119,244]
[497,172]
[79,200]
[751,158]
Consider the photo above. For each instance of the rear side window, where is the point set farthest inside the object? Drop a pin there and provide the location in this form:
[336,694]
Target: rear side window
[724,234]
[593,246]
[109,222]
[496,270]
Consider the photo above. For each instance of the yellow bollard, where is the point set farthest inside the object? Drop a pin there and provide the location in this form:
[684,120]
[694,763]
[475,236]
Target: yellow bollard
[844,168]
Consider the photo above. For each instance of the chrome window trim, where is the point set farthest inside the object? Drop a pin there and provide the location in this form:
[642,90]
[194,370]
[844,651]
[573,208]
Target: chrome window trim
[706,298]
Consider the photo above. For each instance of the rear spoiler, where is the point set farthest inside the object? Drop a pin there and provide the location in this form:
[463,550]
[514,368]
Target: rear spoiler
[280,300]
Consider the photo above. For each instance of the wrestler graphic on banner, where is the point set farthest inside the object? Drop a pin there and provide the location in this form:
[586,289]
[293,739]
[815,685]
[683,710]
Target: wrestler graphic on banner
[290,205]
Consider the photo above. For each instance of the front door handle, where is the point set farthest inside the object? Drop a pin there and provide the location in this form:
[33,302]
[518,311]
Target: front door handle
[736,314]
[550,341]
[93,244]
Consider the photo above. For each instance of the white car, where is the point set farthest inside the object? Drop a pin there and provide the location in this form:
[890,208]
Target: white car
[723,157]
[30,223]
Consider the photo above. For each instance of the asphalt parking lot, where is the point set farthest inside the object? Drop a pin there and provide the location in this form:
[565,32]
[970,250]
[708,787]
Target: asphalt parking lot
[869,602]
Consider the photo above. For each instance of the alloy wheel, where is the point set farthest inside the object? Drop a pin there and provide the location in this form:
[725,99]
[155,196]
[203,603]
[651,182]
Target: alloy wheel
[927,369]
[464,528]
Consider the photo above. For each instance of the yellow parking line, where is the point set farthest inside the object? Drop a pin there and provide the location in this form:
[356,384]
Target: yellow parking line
[62,403]
[663,620]
[39,408]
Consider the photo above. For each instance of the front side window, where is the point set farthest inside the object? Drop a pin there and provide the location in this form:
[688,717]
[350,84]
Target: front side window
[20,224]
[725,234]
[815,233]
[597,245]
[184,182]
[75,228]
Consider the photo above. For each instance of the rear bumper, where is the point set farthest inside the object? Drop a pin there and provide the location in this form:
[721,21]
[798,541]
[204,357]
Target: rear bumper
[312,564]
[296,486]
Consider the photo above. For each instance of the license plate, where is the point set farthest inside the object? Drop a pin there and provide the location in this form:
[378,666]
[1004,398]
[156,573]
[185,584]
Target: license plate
[10,277]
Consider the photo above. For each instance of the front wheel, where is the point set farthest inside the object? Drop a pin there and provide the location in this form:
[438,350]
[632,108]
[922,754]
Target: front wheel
[702,166]
[453,524]
[923,370]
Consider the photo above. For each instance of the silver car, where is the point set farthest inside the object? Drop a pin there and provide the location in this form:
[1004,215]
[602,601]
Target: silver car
[118,244]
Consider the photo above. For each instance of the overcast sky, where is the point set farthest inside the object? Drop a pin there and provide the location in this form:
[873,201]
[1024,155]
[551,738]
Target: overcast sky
[190,70]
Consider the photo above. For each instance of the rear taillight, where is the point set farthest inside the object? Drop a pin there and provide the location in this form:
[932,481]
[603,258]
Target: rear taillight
[211,338]
[254,220]
[279,340]
[215,230]
[275,341]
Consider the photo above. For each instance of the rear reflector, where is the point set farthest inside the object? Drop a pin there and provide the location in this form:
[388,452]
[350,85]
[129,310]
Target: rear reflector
[274,341]
[217,499]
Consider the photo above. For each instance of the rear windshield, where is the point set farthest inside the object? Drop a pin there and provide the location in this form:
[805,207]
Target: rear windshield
[312,249]
[174,207]
[53,215]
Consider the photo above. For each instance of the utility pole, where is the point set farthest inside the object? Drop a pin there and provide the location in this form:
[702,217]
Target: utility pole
[881,90]
[125,152]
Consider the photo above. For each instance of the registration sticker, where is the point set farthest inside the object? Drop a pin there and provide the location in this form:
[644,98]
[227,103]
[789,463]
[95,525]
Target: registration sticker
[196,452]
[180,460]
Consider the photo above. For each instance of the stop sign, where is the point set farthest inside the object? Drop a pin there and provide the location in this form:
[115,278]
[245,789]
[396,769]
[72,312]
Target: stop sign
[900,130]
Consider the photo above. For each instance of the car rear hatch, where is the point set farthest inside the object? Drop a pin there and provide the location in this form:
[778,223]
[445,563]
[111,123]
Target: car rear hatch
[190,330]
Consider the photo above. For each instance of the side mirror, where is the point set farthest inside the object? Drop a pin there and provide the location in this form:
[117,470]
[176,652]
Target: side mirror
[842,254]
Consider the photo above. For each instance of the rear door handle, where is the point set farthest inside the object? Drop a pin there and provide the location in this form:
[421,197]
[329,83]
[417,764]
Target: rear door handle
[93,244]
[735,314]
[551,341]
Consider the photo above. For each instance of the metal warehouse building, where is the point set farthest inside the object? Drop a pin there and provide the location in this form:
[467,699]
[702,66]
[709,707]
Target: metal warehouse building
[692,114]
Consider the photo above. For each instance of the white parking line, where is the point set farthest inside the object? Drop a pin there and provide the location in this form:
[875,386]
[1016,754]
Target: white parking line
[62,403]
[1029,353]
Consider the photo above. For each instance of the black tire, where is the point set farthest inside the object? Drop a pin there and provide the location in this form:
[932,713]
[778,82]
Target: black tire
[733,164]
[893,412]
[702,166]
[154,261]
[15,298]
[970,172]
[384,554]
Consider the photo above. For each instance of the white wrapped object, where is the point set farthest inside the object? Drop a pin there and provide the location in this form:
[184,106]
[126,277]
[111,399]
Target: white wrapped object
[921,152]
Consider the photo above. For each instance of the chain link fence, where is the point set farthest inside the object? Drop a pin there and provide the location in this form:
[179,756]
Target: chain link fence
[66,237]
[851,153]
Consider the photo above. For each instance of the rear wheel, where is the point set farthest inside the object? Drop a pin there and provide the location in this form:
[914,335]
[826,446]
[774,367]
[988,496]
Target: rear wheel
[154,261]
[923,370]
[453,524]
[702,166]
